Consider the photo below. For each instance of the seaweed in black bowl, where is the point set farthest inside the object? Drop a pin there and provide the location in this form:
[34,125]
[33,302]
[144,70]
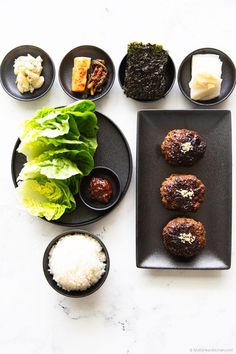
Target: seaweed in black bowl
[146,74]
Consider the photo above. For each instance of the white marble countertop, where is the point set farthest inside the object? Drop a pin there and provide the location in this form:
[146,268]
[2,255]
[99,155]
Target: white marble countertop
[136,311]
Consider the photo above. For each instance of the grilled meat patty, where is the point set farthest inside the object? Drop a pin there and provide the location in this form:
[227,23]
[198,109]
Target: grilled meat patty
[184,237]
[182,192]
[183,147]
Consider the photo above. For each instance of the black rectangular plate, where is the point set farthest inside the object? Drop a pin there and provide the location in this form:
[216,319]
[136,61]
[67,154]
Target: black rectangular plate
[215,171]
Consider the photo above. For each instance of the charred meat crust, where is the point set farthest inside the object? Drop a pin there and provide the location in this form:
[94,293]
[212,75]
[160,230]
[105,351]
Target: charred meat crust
[183,147]
[184,237]
[182,192]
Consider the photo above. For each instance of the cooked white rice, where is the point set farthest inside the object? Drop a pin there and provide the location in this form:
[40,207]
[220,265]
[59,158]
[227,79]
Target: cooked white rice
[77,262]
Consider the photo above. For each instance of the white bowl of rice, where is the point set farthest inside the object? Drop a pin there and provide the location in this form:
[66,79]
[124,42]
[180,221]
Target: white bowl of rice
[76,263]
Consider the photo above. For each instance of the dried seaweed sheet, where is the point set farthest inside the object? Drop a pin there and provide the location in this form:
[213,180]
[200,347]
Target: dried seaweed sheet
[145,74]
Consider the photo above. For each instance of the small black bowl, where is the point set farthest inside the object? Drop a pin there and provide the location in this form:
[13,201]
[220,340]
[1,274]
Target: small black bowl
[73,293]
[111,176]
[65,70]
[228,76]
[8,78]
[170,76]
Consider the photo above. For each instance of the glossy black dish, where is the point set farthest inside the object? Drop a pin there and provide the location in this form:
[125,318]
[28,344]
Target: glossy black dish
[170,75]
[8,78]
[100,172]
[65,71]
[214,170]
[228,76]
[74,293]
[113,152]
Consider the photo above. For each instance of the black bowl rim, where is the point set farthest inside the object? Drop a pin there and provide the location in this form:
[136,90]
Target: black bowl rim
[45,91]
[103,207]
[52,282]
[113,72]
[165,94]
[197,51]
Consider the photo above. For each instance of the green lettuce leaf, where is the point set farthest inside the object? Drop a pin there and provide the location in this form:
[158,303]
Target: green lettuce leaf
[59,145]
[52,125]
[43,144]
[58,168]
[73,183]
[80,106]
[59,127]
[86,123]
[46,198]
[59,164]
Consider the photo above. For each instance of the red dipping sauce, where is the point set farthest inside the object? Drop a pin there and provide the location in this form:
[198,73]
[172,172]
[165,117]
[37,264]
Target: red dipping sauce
[100,190]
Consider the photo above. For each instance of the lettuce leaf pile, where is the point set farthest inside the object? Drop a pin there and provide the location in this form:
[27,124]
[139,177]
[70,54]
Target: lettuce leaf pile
[59,145]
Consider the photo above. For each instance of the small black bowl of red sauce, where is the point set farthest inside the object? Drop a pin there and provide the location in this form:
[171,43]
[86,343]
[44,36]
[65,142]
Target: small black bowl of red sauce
[101,189]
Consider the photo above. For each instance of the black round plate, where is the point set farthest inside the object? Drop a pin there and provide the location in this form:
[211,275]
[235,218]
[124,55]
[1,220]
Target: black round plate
[8,78]
[170,75]
[74,293]
[113,152]
[65,70]
[228,76]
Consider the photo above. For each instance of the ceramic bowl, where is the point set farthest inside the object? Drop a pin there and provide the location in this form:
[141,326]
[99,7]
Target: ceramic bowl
[170,76]
[110,176]
[8,78]
[65,71]
[49,276]
[228,76]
